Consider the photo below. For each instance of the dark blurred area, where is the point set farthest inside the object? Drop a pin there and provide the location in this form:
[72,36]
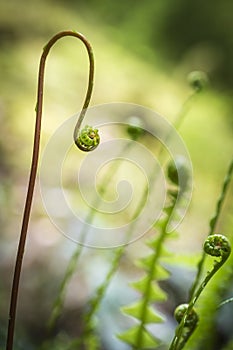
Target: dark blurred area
[201,32]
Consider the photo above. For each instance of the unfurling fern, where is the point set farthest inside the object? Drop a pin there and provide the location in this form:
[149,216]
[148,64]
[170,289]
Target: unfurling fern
[139,337]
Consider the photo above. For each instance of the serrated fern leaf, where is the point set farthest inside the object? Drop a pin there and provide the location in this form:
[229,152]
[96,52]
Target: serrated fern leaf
[136,310]
[151,292]
[158,272]
[153,243]
[147,340]
[155,292]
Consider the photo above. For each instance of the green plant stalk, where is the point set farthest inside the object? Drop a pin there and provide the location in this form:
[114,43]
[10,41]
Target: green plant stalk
[185,109]
[185,339]
[194,292]
[208,308]
[34,166]
[213,224]
[217,246]
[176,340]
[151,275]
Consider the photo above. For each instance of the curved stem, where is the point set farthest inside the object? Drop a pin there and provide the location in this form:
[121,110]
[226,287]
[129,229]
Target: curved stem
[34,165]
[213,224]
[176,340]
[215,245]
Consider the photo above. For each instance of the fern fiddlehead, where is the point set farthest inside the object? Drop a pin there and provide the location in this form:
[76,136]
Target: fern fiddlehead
[195,291]
[218,246]
[190,324]
[213,223]
[88,139]
[192,318]
[34,166]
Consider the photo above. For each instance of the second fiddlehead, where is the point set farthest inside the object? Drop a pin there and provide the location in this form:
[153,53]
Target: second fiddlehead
[216,245]
[213,223]
[190,323]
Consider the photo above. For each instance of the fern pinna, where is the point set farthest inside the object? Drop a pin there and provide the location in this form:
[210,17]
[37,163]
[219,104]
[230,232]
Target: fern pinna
[139,337]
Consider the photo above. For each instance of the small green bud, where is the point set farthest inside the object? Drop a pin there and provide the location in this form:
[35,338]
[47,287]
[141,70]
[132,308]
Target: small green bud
[198,80]
[217,245]
[88,139]
[191,319]
[134,128]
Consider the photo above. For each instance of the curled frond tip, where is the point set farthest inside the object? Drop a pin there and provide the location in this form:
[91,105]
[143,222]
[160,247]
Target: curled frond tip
[88,139]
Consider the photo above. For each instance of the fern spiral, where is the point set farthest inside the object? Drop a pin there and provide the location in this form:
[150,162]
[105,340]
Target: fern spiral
[192,318]
[217,245]
[88,139]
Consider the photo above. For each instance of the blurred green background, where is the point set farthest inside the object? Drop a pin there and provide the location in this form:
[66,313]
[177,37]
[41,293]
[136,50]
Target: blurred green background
[144,51]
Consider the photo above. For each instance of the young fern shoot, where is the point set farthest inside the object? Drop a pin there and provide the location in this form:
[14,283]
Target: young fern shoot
[34,164]
[190,323]
[216,245]
[213,223]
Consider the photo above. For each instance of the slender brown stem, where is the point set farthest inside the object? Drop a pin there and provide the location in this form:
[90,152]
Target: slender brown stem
[34,165]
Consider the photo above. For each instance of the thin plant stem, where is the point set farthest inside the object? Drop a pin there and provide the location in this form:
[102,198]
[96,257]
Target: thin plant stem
[34,166]
[195,290]
[213,224]
[230,300]
[185,109]
[175,345]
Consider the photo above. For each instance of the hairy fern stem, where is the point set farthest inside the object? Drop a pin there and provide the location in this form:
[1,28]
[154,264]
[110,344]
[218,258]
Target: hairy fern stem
[34,166]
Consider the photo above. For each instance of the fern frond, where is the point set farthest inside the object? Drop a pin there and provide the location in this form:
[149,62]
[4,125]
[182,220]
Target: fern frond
[135,310]
[155,292]
[142,310]
[147,340]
